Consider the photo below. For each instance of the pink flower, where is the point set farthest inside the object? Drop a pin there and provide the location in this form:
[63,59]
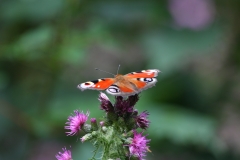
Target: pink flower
[125,107]
[138,146]
[76,122]
[93,120]
[101,123]
[142,120]
[192,14]
[65,155]
[105,103]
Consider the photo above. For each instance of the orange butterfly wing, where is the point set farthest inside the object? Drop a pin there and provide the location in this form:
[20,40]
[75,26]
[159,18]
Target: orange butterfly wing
[136,77]
[99,84]
[125,89]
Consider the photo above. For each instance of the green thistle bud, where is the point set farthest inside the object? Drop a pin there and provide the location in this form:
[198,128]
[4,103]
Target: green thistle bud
[94,124]
[87,128]
[104,129]
[86,137]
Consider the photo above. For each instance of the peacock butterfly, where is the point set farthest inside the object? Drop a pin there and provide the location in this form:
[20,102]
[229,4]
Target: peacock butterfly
[124,85]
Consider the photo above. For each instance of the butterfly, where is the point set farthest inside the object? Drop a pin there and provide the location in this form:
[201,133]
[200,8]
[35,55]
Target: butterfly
[124,85]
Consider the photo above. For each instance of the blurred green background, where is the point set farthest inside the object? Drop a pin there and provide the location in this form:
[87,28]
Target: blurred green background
[48,47]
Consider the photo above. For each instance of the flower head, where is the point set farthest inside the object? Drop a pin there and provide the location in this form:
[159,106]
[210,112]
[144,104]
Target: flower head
[93,120]
[105,102]
[133,99]
[125,106]
[76,122]
[65,155]
[101,123]
[138,147]
[142,120]
[94,125]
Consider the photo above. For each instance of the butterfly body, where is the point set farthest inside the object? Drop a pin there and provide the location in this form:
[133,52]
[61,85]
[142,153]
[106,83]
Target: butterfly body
[124,85]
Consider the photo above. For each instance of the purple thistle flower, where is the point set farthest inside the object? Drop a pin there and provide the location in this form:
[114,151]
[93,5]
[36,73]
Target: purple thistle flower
[142,120]
[76,122]
[65,155]
[125,106]
[101,123]
[133,99]
[94,125]
[138,146]
[105,102]
[93,120]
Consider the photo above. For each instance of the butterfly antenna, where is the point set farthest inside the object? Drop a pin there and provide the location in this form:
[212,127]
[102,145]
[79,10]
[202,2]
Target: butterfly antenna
[104,71]
[118,68]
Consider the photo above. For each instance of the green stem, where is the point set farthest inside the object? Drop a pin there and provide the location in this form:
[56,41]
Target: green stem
[113,146]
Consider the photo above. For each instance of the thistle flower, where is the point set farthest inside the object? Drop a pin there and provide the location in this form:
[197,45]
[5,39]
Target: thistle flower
[94,125]
[142,120]
[118,125]
[65,155]
[93,120]
[76,122]
[124,107]
[133,99]
[101,123]
[106,105]
[138,147]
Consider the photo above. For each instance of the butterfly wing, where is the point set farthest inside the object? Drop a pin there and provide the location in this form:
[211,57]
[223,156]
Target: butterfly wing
[99,84]
[133,83]
[150,73]
[120,90]
[143,79]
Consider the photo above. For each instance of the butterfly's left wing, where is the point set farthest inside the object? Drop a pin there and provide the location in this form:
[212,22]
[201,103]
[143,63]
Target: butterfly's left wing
[99,84]
[143,79]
